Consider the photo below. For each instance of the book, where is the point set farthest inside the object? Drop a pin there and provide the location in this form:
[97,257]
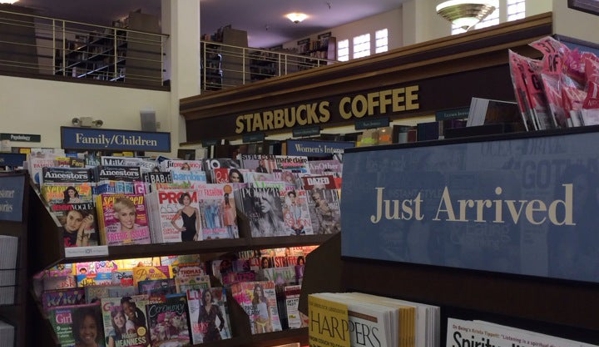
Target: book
[325,314]
[122,219]
[69,321]
[461,332]
[208,315]
[168,322]
[376,321]
[258,299]
[217,206]
[487,111]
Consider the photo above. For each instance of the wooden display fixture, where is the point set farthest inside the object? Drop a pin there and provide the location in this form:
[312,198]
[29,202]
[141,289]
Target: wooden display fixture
[17,313]
[557,306]
[48,250]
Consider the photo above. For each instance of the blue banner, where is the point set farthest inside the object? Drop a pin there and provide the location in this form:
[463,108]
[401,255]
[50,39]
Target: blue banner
[11,197]
[114,140]
[316,148]
[520,205]
[12,159]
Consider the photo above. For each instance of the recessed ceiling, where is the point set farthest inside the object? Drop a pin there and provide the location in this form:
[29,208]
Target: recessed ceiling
[264,20]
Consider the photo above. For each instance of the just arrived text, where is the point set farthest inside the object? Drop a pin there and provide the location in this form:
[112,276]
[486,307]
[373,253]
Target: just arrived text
[535,211]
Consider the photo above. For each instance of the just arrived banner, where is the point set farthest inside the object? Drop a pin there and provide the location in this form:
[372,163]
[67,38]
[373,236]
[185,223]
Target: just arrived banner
[118,140]
[524,204]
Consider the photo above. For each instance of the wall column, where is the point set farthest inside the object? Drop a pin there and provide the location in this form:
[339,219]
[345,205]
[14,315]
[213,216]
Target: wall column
[181,20]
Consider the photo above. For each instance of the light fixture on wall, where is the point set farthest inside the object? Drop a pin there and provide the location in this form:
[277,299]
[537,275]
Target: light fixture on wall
[87,122]
[296,17]
[466,13]
[8,1]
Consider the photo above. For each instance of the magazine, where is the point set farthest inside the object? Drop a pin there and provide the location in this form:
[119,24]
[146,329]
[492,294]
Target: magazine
[79,222]
[124,321]
[179,218]
[208,315]
[219,217]
[325,211]
[262,208]
[296,213]
[67,322]
[122,219]
[258,299]
[168,322]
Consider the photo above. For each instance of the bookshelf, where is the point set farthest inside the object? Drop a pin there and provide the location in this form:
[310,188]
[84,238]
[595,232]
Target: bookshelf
[127,54]
[324,47]
[16,313]
[49,251]
[512,296]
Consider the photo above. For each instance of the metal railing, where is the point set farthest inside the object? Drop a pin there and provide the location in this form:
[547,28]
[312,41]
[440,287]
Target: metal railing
[32,45]
[224,66]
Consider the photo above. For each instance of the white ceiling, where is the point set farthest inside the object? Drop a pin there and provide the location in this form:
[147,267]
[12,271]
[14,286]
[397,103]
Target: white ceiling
[253,16]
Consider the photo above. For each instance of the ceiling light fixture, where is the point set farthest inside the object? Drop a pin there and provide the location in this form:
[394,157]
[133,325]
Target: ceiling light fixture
[466,13]
[296,17]
[8,1]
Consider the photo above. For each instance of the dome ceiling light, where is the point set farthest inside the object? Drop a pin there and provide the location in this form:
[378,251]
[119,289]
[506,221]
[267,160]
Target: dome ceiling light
[466,13]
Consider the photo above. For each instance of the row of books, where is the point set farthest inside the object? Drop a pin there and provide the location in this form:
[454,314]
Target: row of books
[371,320]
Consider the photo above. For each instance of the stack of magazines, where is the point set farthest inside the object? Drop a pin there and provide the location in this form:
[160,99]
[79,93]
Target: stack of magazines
[8,264]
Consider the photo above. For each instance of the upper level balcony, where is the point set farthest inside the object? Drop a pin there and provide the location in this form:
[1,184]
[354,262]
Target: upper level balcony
[131,52]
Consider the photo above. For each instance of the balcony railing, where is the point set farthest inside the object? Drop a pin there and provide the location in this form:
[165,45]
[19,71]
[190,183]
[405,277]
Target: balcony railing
[33,45]
[224,66]
[36,45]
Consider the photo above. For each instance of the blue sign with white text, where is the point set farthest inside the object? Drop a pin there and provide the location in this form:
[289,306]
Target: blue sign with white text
[11,197]
[316,148]
[114,140]
[520,205]
[12,159]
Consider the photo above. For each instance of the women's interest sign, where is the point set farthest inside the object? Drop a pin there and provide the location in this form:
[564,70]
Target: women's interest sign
[522,204]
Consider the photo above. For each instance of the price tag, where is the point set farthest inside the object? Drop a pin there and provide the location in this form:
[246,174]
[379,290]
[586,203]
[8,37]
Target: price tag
[91,251]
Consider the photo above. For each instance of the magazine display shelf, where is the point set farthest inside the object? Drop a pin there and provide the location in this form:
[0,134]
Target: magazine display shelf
[16,314]
[556,307]
[47,250]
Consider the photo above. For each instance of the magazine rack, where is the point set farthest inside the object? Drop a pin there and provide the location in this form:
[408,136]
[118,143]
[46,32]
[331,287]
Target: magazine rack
[558,307]
[47,250]
[15,311]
